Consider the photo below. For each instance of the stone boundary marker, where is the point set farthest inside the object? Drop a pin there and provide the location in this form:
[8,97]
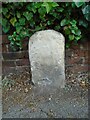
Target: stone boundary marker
[46,55]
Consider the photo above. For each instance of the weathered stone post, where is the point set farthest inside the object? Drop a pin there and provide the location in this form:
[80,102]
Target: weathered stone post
[46,54]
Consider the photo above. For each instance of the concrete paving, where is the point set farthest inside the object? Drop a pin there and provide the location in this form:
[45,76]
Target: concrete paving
[45,102]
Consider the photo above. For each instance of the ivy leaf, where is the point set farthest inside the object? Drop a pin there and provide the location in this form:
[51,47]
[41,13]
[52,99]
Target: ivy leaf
[48,22]
[78,32]
[7,16]
[4,22]
[6,25]
[37,5]
[60,9]
[78,37]
[86,12]
[1,21]
[67,31]
[87,16]
[18,29]
[0,10]
[67,45]
[18,15]
[83,23]
[24,32]
[49,5]
[73,31]
[34,10]
[22,21]
[29,7]
[57,27]
[42,11]
[73,5]
[71,37]
[10,37]
[28,15]
[54,4]
[13,21]
[64,22]
[6,29]
[78,4]
[32,23]
[73,22]
[37,28]
[18,44]
[4,10]
[18,38]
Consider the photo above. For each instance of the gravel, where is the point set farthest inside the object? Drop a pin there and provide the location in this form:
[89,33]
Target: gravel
[23,100]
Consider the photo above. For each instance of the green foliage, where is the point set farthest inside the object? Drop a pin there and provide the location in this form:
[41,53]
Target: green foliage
[22,19]
[7,83]
[78,4]
[86,12]
[71,29]
[49,5]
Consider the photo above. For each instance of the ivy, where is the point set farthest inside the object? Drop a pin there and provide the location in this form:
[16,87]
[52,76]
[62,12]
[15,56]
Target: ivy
[49,6]
[86,12]
[22,19]
[13,20]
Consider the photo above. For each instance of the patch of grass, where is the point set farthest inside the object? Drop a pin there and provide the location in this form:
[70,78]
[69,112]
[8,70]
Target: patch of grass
[7,83]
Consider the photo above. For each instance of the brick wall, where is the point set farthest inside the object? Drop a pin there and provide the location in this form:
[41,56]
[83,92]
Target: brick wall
[14,62]
[76,59]
[77,62]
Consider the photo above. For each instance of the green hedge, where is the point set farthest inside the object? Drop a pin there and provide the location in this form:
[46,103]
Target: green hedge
[20,20]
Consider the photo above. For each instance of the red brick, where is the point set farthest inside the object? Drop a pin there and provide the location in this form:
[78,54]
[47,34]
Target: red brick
[76,53]
[1,56]
[75,47]
[89,45]
[16,70]
[75,68]
[0,48]
[25,43]
[0,67]
[22,62]
[8,70]
[76,60]
[86,53]
[80,68]
[8,63]
[4,48]
[68,53]
[84,45]
[10,49]
[84,68]
[0,39]
[25,46]
[87,61]
[26,40]
[21,69]
[79,53]
[15,55]
[5,39]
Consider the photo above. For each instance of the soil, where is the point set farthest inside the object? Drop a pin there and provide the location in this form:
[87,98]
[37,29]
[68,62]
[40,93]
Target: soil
[21,99]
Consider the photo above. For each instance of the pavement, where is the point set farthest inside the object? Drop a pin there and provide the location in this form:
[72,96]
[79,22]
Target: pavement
[46,102]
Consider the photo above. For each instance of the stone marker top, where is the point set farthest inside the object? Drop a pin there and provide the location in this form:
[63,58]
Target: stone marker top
[46,54]
[45,34]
